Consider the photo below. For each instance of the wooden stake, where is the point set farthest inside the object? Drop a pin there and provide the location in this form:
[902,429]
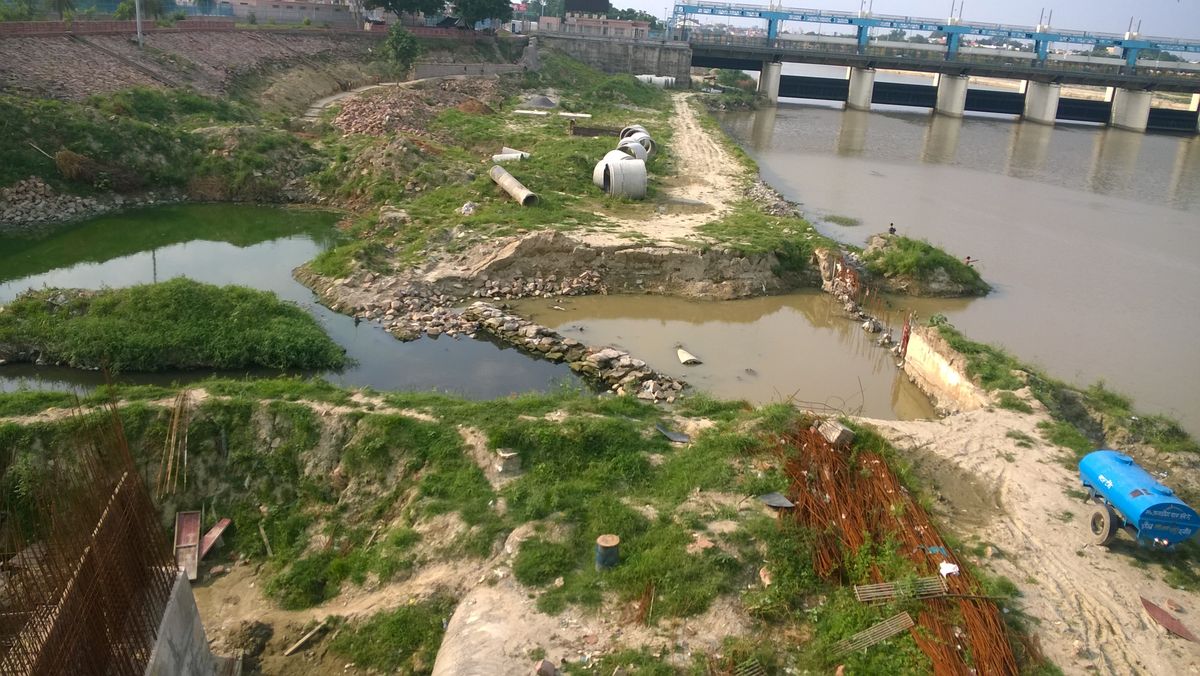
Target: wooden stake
[304,638]
[263,532]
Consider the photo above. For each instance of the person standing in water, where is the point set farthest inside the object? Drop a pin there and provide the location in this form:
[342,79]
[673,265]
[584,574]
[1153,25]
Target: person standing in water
[891,228]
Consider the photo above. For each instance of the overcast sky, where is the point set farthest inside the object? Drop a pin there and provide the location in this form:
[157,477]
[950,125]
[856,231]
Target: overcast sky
[1165,18]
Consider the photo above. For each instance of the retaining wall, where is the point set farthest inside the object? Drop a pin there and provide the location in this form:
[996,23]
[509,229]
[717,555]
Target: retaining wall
[940,372]
[34,28]
[635,57]
[181,648]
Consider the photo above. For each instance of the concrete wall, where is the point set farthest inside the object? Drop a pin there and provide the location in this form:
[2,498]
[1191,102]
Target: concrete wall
[423,70]
[941,372]
[181,648]
[627,56]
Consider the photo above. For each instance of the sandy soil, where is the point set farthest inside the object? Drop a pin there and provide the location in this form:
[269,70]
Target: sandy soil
[1084,598]
[708,177]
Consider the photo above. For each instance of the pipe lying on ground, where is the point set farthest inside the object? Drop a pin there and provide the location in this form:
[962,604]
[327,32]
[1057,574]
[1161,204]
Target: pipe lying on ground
[524,196]
[506,151]
[644,139]
[632,129]
[626,178]
[509,157]
[633,148]
[610,156]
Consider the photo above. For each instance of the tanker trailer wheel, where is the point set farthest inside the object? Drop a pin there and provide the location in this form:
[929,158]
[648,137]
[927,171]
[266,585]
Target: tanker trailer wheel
[1103,524]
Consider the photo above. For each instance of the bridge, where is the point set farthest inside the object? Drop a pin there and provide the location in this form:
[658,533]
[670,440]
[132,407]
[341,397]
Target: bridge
[1130,78]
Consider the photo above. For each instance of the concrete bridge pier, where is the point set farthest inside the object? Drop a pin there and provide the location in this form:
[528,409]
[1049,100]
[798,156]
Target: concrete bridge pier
[768,81]
[1130,108]
[862,87]
[951,95]
[1041,101]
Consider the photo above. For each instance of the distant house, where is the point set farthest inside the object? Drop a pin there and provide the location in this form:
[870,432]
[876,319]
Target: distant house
[590,17]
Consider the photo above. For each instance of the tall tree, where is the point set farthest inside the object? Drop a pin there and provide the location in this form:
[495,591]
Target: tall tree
[401,47]
[472,11]
[398,7]
[61,6]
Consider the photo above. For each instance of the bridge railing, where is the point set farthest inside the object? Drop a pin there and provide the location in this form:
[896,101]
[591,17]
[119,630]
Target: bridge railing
[916,56]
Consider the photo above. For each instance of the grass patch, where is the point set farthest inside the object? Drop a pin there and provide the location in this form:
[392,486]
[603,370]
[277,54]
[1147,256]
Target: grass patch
[845,221]
[1008,400]
[179,324]
[748,229]
[919,260]
[404,640]
[990,366]
[1066,435]
[1023,440]
[28,402]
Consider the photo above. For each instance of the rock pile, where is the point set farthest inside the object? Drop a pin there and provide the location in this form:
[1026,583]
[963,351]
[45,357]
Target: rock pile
[616,370]
[32,202]
[771,201]
[410,109]
[587,283]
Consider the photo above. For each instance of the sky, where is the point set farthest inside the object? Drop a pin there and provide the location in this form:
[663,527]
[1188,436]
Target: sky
[1162,18]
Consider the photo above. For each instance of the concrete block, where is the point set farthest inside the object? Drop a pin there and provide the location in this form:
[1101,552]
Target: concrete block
[836,433]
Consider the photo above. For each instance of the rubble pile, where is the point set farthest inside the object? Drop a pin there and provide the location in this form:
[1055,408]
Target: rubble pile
[587,283]
[31,203]
[410,109]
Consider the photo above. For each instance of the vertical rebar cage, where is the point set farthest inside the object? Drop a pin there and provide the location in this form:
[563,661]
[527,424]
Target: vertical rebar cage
[85,566]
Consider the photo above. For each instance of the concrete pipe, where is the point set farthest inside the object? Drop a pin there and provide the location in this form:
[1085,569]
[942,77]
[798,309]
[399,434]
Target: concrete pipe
[632,129]
[512,186]
[508,157]
[626,179]
[508,151]
[610,156]
[633,149]
[644,139]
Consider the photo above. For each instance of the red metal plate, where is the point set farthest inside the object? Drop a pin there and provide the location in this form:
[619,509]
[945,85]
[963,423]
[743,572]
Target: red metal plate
[1168,621]
[210,538]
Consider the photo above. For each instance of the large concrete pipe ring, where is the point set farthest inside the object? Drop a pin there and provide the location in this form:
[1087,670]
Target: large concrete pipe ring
[633,149]
[626,178]
[633,128]
[610,156]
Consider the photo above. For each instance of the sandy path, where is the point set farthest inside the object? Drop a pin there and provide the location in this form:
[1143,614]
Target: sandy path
[1084,597]
[707,173]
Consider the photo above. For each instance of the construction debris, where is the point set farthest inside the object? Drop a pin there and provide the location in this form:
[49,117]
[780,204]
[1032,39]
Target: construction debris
[524,196]
[675,437]
[920,588]
[305,638]
[1168,621]
[836,433]
[880,632]
[210,538]
[187,543]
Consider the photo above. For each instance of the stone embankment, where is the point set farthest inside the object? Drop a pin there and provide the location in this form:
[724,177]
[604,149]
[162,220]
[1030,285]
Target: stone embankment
[407,309]
[619,371]
[32,204]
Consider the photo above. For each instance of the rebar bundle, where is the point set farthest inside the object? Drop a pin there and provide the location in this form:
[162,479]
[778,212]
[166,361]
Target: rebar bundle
[848,500]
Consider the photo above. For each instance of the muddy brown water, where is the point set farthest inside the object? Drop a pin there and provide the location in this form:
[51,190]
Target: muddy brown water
[1090,236]
[798,346]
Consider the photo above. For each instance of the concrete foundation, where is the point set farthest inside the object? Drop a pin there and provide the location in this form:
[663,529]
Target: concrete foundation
[672,59]
[181,648]
[1130,109]
[1041,102]
[862,87]
[768,81]
[951,95]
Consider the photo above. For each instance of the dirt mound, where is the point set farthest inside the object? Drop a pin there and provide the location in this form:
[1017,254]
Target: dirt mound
[475,106]
[539,101]
[410,109]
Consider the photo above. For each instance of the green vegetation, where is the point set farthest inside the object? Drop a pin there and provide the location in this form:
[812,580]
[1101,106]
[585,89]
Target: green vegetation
[1010,401]
[845,221]
[736,78]
[919,260]
[144,137]
[404,640]
[401,47]
[748,229]
[180,324]
[990,366]
[28,402]
[1023,440]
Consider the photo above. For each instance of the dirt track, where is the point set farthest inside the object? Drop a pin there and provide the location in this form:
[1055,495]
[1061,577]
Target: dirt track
[1084,597]
[707,174]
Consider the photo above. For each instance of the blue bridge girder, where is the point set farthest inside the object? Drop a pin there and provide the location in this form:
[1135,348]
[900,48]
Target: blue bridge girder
[954,30]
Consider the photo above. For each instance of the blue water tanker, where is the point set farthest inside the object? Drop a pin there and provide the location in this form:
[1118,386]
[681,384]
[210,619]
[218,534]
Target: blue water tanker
[1131,499]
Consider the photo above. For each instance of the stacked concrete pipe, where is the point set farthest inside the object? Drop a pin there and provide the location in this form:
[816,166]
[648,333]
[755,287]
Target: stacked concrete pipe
[622,172]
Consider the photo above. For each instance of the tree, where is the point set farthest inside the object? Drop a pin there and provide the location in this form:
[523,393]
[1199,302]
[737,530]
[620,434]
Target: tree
[401,47]
[632,14]
[151,9]
[896,35]
[62,7]
[18,10]
[473,11]
[399,7]
[547,8]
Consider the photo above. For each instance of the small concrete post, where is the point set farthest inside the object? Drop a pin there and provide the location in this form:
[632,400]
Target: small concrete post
[768,81]
[1041,102]
[862,87]
[1130,109]
[951,95]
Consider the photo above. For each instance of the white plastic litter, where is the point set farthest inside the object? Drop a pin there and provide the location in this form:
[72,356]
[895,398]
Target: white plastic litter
[947,569]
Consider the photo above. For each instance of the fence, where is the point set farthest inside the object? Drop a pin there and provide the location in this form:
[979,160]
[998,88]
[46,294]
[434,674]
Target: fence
[38,28]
